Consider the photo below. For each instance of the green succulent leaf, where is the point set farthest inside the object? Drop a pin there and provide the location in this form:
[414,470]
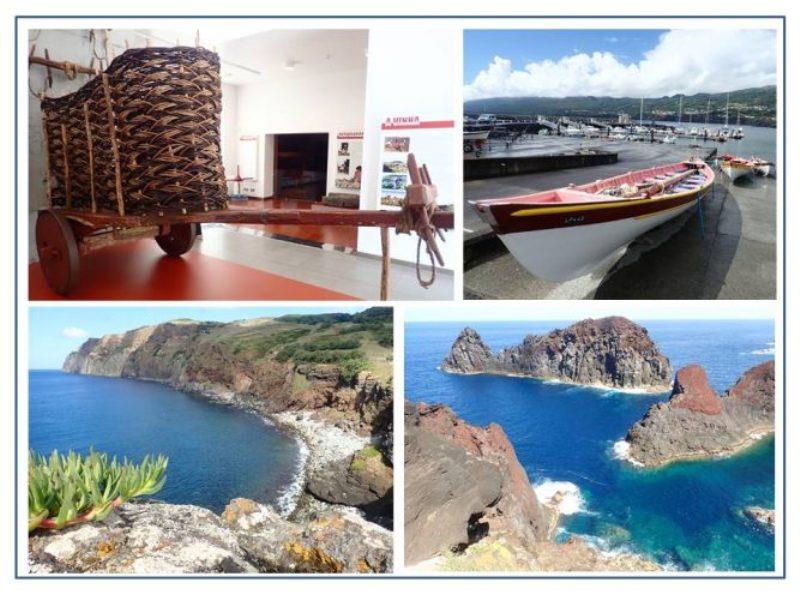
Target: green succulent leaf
[68,489]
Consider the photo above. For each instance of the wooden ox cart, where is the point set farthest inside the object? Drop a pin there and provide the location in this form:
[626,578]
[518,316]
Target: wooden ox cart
[135,153]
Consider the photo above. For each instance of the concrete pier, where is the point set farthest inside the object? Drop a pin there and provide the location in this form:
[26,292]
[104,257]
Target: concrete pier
[735,259]
[484,168]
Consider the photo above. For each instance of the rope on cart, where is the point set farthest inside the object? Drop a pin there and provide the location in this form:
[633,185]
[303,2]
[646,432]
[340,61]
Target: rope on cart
[416,215]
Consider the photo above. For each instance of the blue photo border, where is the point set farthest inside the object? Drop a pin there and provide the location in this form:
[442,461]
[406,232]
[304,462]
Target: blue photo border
[224,576]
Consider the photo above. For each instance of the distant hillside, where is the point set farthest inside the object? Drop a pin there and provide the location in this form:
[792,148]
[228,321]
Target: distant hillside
[756,105]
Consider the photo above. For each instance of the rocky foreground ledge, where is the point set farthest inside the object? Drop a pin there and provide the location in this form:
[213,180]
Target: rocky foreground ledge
[696,423]
[469,505]
[149,538]
[611,352]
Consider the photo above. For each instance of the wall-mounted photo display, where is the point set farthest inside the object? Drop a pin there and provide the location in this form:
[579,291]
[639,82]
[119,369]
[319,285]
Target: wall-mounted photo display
[431,143]
[349,152]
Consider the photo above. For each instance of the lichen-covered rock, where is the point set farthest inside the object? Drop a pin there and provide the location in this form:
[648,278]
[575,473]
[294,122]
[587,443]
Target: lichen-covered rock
[332,542]
[142,538]
[462,483]
[696,423]
[157,538]
[612,352]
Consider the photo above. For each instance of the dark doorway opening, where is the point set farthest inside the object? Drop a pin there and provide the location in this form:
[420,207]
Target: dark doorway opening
[301,166]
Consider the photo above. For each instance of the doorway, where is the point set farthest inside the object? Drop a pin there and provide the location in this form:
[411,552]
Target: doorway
[301,166]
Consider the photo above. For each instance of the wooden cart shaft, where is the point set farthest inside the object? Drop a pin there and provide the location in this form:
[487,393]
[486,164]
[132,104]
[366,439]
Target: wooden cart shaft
[271,216]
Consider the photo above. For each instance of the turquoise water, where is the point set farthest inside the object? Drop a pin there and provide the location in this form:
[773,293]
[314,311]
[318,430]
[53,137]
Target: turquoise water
[685,516]
[216,453]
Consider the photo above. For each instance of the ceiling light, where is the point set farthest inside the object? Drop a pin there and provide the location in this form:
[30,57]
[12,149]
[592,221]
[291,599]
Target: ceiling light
[290,64]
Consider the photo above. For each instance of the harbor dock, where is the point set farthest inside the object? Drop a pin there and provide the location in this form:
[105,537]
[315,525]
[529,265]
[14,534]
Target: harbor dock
[729,253]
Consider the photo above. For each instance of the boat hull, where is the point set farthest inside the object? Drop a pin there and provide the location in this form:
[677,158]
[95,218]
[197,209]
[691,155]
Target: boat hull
[558,255]
[763,170]
[565,233]
[735,172]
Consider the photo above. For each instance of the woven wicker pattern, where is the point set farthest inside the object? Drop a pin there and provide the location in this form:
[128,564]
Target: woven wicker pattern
[142,138]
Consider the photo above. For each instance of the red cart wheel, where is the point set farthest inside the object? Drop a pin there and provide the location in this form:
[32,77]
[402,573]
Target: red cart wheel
[179,240]
[58,252]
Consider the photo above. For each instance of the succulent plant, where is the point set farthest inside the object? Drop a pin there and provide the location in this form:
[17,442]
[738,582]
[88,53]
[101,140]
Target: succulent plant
[64,490]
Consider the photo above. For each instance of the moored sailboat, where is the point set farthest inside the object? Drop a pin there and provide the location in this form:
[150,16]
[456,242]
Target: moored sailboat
[567,232]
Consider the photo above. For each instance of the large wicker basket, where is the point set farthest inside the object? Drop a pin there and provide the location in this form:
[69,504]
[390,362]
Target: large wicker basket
[141,138]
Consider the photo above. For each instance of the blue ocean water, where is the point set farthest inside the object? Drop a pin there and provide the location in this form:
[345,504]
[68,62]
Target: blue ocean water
[216,453]
[687,515]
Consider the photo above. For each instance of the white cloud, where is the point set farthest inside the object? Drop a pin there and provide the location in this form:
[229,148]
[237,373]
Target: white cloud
[74,332]
[683,62]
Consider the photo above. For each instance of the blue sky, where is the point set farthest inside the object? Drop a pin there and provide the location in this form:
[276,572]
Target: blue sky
[557,63]
[535,45]
[543,310]
[56,331]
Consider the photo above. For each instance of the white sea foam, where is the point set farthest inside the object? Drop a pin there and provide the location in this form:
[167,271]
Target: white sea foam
[287,499]
[769,350]
[757,435]
[621,450]
[564,496]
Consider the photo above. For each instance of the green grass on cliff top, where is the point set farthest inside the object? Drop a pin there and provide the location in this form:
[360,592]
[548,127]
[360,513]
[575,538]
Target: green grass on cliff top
[316,339]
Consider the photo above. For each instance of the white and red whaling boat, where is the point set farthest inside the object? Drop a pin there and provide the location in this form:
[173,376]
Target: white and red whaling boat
[567,232]
[735,167]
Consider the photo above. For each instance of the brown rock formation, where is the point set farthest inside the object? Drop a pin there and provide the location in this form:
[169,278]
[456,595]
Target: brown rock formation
[462,483]
[696,423]
[692,391]
[611,352]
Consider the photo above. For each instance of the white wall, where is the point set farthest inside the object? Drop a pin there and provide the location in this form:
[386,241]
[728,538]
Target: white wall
[298,102]
[419,77]
[228,126]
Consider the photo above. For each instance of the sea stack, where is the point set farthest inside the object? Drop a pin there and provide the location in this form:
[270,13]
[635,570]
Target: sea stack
[696,423]
[613,352]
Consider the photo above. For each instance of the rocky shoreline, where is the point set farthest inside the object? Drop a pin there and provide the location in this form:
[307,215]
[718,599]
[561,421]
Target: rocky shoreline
[610,353]
[470,506]
[696,423]
[336,516]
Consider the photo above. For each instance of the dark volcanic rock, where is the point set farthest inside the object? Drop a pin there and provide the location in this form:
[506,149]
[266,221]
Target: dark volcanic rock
[696,423]
[469,354]
[613,352]
[463,483]
[362,481]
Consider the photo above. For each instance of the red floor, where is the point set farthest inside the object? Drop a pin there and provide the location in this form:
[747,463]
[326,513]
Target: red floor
[139,270]
[325,234]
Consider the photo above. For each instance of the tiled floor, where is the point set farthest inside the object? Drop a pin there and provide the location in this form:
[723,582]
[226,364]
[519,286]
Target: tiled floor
[350,274]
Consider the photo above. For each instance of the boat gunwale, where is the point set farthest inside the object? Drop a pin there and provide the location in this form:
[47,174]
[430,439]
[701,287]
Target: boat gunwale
[593,201]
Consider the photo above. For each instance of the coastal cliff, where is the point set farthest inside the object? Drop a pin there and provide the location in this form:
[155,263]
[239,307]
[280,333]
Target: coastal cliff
[469,505]
[328,378]
[697,423]
[613,352]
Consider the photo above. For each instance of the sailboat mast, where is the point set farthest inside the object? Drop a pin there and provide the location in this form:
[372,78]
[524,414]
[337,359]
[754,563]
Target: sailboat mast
[680,109]
[727,104]
[641,110]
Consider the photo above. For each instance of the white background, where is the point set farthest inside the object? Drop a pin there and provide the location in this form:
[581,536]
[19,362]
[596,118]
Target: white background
[83,588]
